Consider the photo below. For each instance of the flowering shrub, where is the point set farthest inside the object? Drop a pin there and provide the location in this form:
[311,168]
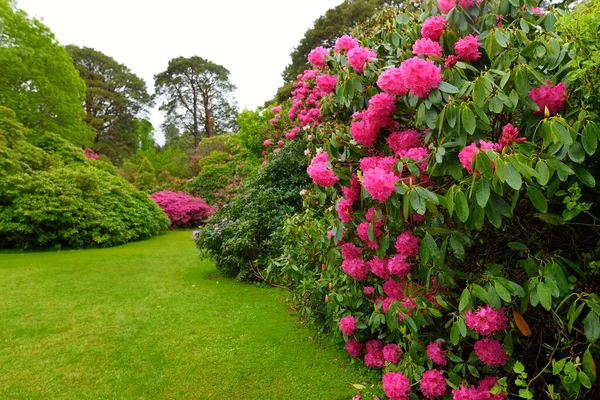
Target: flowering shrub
[184,210]
[461,175]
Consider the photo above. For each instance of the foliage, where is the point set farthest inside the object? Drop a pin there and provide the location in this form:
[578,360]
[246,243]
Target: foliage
[193,94]
[468,242]
[115,97]
[38,80]
[52,196]
[243,234]
[184,210]
[336,22]
[145,178]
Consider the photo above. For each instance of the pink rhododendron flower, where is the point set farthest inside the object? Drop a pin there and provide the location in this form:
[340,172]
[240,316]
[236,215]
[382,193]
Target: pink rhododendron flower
[549,97]
[467,48]
[433,384]
[317,56]
[379,183]
[267,143]
[466,393]
[381,107]
[396,386]
[401,142]
[273,121]
[350,251]
[276,150]
[356,268]
[451,61]
[348,325]
[398,265]
[510,135]
[394,290]
[358,56]
[379,267]
[420,76]
[374,216]
[368,291]
[467,154]
[466,4]
[344,209]
[385,163]
[390,81]
[407,244]
[436,354]
[364,133]
[374,360]
[320,172]
[363,232]
[345,43]
[327,83]
[357,397]
[419,154]
[292,134]
[486,321]
[427,47]
[352,193]
[391,353]
[446,6]
[433,27]
[491,352]
[354,347]
[280,143]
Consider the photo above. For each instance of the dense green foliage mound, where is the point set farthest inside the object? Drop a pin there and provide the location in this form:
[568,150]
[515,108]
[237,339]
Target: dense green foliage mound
[246,232]
[51,195]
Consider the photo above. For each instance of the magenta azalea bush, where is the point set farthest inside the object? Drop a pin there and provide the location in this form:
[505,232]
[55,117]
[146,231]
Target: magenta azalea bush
[183,209]
[454,164]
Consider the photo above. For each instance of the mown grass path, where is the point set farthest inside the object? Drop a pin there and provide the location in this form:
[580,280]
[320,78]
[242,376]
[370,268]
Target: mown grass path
[149,320]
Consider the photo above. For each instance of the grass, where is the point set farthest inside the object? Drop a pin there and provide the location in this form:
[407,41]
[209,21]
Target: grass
[150,320]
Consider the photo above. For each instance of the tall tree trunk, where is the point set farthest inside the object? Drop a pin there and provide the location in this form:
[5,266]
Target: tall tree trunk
[207,120]
[196,132]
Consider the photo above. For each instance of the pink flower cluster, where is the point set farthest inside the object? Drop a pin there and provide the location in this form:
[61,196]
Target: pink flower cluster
[401,142]
[467,48]
[182,209]
[379,183]
[390,81]
[345,43]
[306,98]
[291,135]
[396,386]
[433,384]
[479,392]
[420,76]
[468,153]
[391,353]
[326,83]
[374,356]
[317,56]
[491,352]
[510,135]
[358,57]
[366,125]
[90,154]
[551,98]
[354,347]
[348,325]
[427,47]
[407,244]
[433,27]
[436,354]
[486,321]
[320,171]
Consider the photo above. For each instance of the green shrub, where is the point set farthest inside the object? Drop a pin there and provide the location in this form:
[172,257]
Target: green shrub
[243,235]
[52,198]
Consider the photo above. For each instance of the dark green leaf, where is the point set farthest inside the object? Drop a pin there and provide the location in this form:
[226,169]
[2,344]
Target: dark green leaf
[589,139]
[447,88]
[468,120]
[559,166]
[591,327]
[462,206]
[513,177]
[537,199]
[544,296]
[543,172]
[502,292]
[584,176]
[465,300]
[482,192]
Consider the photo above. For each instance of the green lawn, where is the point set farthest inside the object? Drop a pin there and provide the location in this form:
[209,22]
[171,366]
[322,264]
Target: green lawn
[149,320]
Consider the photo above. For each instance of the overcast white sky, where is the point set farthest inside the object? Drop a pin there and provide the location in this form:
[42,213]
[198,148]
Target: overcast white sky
[252,39]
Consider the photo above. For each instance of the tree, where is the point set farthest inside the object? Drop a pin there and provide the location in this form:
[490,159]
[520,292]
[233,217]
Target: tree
[38,80]
[115,98]
[194,95]
[336,22]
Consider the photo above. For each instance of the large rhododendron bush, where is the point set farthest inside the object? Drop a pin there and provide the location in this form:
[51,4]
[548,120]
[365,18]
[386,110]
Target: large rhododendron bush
[460,170]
